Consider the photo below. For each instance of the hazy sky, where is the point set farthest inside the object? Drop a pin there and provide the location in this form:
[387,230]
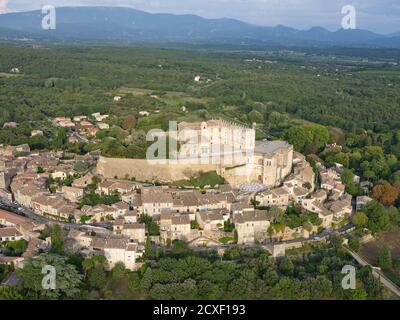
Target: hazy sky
[377,15]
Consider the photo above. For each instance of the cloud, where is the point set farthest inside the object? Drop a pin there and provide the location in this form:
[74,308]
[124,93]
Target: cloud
[377,15]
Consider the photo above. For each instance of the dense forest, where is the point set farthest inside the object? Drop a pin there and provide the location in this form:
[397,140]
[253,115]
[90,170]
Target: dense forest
[348,93]
[178,273]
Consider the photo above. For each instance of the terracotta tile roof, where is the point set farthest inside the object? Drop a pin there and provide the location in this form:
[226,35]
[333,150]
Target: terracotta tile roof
[153,196]
[9,232]
[181,219]
[252,216]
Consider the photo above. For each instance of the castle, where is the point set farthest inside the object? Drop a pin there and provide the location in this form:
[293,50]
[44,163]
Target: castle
[234,148]
[226,147]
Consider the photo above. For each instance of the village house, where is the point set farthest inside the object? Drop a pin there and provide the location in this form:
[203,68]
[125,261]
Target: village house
[117,250]
[210,220]
[362,201]
[6,195]
[175,226]
[63,122]
[340,208]
[61,172]
[72,194]
[240,207]
[329,178]
[251,226]
[319,196]
[99,117]
[323,213]
[186,201]
[131,216]
[108,187]
[273,197]
[299,193]
[134,200]
[36,133]
[10,234]
[212,201]
[25,193]
[54,205]
[134,231]
[121,208]
[83,181]
[103,126]
[79,118]
[154,200]
[99,213]
[27,227]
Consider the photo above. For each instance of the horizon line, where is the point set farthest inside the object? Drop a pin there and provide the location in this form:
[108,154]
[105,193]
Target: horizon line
[205,18]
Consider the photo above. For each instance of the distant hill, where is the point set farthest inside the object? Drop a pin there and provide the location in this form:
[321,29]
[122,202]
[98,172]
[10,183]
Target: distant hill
[129,25]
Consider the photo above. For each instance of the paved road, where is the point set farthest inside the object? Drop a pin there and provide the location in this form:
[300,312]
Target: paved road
[17,209]
[377,273]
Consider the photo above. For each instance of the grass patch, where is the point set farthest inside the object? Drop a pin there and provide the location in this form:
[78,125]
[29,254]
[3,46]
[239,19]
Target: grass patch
[202,180]
[226,240]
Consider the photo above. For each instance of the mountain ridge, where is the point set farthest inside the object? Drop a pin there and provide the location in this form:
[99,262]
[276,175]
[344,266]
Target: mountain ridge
[130,25]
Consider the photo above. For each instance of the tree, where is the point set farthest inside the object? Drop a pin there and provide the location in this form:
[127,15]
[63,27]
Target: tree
[256,117]
[347,176]
[180,248]
[60,139]
[148,249]
[385,258]
[277,214]
[307,185]
[92,262]
[229,226]
[96,278]
[385,193]
[10,293]
[57,240]
[307,226]
[307,138]
[235,236]
[68,279]
[81,166]
[355,243]
[194,224]
[129,122]
[39,169]
[119,271]
[286,266]
[378,217]
[359,219]
[152,228]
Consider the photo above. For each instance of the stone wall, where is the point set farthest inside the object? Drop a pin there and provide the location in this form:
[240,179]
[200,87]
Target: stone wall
[149,170]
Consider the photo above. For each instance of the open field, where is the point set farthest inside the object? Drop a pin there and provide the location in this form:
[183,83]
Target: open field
[390,238]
